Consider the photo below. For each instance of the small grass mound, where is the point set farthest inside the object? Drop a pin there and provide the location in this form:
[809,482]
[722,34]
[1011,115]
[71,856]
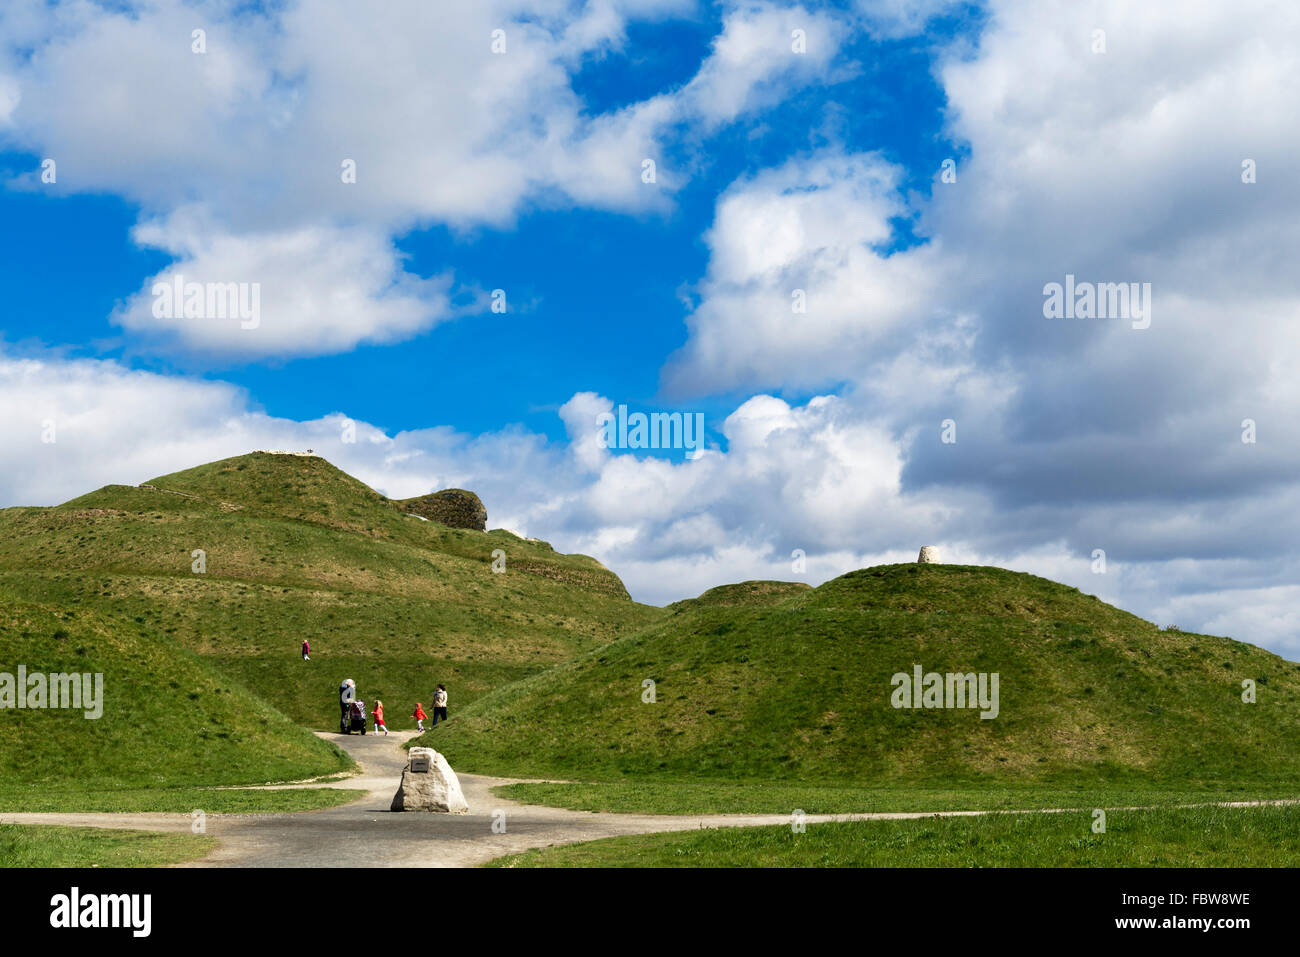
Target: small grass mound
[799,693]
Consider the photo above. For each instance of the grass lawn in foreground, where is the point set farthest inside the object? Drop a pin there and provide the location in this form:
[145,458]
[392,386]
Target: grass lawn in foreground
[660,796]
[42,846]
[179,800]
[1195,837]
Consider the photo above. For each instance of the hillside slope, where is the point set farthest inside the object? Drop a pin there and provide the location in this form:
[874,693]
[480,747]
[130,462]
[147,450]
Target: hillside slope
[799,690]
[293,548]
[167,718]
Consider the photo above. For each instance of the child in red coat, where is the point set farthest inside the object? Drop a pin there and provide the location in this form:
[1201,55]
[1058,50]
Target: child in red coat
[419,716]
[379,717]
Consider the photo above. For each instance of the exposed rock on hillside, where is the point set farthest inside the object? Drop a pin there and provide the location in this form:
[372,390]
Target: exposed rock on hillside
[454,507]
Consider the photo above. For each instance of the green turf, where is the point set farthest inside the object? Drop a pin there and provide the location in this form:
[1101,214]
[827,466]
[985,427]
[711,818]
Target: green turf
[170,719]
[1196,837]
[203,677]
[743,593]
[730,797]
[311,553]
[42,846]
[770,696]
[307,691]
[797,692]
[177,800]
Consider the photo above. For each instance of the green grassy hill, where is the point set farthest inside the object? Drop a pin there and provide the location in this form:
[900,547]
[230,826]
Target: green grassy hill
[772,687]
[297,549]
[787,685]
[169,719]
[743,593]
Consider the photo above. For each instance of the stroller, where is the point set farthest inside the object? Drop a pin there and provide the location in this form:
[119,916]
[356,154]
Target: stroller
[357,717]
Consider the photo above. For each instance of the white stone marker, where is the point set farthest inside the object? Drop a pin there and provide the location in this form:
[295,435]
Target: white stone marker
[429,784]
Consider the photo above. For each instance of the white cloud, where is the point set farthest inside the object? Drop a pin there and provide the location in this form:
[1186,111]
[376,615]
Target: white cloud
[1116,166]
[255,130]
[1270,616]
[1122,166]
[763,51]
[310,291]
[809,234]
[1094,164]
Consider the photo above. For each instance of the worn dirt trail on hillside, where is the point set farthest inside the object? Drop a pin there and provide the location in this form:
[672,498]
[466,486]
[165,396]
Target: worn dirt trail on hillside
[365,833]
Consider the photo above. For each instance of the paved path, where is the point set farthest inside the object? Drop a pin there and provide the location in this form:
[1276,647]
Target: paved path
[364,833]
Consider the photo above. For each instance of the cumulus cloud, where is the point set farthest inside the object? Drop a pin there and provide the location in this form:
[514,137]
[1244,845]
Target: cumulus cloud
[804,477]
[292,130]
[1117,166]
[1070,436]
[763,51]
[308,291]
[1098,165]
[75,425]
[800,289]
[793,477]
[1093,164]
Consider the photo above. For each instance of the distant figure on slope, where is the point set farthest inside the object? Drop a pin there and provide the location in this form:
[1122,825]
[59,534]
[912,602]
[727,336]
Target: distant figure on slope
[347,694]
[440,704]
[419,716]
[379,717]
[306,650]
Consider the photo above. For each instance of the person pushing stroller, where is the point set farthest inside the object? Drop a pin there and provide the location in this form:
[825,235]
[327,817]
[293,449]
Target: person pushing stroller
[347,694]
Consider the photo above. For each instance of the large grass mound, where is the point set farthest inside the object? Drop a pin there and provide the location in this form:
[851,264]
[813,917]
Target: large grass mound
[799,691]
[169,719]
[294,548]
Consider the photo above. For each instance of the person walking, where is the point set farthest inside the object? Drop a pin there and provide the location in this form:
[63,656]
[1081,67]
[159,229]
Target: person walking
[379,717]
[347,694]
[419,717]
[306,650]
[439,704]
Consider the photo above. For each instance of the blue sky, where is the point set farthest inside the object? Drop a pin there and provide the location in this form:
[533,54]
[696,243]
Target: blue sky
[597,295]
[798,149]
